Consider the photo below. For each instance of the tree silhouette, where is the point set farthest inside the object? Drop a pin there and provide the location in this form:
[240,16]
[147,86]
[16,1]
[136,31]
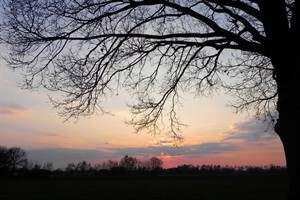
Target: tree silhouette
[12,159]
[88,49]
[155,163]
[129,163]
[83,166]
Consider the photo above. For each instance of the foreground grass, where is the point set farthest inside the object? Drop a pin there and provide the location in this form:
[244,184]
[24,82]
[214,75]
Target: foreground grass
[233,187]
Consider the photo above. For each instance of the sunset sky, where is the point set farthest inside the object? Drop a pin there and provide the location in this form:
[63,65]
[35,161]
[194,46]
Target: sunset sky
[214,135]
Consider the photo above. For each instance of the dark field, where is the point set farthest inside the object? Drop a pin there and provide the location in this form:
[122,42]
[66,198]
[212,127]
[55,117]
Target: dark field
[209,187]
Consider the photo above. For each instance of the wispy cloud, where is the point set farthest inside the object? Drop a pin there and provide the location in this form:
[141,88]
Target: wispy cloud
[165,141]
[12,109]
[249,131]
[44,133]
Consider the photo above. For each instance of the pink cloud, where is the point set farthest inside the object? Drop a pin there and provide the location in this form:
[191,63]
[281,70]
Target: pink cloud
[12,109]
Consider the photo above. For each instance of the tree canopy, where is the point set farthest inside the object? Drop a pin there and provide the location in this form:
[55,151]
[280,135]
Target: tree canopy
[155,49]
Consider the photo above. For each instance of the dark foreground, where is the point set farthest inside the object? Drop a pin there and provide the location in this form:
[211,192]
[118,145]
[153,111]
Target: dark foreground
[209,187]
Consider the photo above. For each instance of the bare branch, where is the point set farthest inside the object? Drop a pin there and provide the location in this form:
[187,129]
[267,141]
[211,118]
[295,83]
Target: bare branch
[157,50]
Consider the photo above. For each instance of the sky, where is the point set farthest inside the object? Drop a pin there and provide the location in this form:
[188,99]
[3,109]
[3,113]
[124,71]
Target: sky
[214,133]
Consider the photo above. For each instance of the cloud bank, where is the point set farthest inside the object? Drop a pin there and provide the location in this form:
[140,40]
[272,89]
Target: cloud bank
[233,140]
[61,156]
[250,131]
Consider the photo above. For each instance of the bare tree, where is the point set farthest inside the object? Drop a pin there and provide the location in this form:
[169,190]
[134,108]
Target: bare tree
[158,49]
[155,163]
[12,159]
[129,163]
[71,167]
[83,166]
[4,161]
[48,166]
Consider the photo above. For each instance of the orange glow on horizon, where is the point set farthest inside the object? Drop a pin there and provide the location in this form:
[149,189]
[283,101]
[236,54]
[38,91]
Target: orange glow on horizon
[238,158]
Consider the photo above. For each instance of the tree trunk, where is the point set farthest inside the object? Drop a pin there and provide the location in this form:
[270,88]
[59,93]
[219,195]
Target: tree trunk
[292,154]
[288,129]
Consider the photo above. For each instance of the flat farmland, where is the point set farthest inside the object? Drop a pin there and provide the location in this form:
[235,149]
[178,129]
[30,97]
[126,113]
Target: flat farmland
[209,187]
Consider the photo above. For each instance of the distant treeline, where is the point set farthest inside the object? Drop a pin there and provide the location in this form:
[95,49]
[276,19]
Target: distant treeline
[14,164]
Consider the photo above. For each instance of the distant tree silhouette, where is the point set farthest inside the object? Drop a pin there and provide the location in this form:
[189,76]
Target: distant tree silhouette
[48,166]
[70,167]
[83,166]
[158,49]
[128,166]
[4,161]
[189,169]
[155,163]
[12,159]
[129,163]
[36,167]
[111,164]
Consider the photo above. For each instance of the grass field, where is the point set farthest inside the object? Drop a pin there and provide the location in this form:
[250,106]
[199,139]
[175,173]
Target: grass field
[234,187]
